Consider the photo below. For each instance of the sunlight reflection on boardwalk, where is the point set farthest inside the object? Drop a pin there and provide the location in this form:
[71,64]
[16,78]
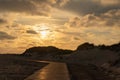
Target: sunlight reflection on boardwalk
[53,71]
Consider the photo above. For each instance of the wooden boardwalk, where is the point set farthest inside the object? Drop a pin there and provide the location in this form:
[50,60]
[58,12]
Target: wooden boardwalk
[53,71]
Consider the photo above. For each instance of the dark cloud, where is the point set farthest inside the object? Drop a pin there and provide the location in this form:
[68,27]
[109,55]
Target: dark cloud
[2,21]
[39,7]
[31,32]
[34,7]
[108,19]
[96,7]
[76,38]
[4,35]
[61,2]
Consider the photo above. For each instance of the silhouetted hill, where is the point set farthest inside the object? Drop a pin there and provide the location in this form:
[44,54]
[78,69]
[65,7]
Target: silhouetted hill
[85,46]
[51,50]
[114,47]
[42,51]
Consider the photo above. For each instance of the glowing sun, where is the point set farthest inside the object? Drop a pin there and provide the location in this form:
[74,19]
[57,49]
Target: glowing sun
[44,34]
[42,30]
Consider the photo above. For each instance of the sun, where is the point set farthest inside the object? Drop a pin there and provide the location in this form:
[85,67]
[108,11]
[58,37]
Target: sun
[44,34]
[42,30]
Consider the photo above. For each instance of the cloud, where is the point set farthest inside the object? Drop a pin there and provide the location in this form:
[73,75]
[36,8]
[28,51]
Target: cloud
[24,6]
[108,19]
[83,7]
[62,2]
[4,35]
[108,2]
[76,38]
[95,19]
[34,7]
[2,21]
[31,32]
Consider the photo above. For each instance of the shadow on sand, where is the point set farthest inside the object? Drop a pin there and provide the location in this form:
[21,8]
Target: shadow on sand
[12,68]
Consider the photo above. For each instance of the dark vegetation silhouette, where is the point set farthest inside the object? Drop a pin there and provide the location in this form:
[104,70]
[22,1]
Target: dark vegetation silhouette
[42,51]
[114,47]
[86,46]
[56,51]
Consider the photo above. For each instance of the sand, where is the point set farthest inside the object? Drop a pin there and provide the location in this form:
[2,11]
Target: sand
[14,67]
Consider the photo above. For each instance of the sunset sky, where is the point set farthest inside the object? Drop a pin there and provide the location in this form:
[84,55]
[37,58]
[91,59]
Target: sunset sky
[61,23]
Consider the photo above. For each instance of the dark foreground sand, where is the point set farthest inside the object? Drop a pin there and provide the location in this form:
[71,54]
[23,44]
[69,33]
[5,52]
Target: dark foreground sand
[86,72]
[17,68]
[14,67]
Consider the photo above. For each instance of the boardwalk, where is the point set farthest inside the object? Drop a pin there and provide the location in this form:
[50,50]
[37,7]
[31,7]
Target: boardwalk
[53,71]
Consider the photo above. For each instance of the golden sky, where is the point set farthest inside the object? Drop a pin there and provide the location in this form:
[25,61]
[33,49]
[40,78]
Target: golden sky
[61,23]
